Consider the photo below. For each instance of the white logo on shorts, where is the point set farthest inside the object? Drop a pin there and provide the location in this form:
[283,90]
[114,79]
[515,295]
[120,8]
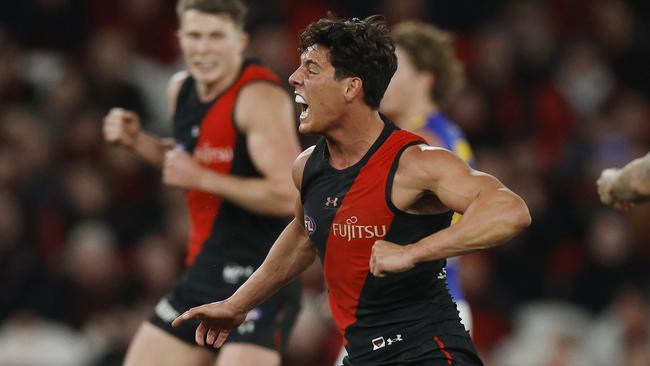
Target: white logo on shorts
[166,311]
[380,342]
[234,273]
[248,326]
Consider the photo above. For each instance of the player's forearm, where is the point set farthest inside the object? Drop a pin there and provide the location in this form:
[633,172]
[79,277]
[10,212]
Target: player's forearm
[291,255]
[150,148]
[259,195]
[633,181]
[491,220]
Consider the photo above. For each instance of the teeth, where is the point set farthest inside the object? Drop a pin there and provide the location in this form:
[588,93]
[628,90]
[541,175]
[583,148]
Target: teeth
[304,113]
[300,99]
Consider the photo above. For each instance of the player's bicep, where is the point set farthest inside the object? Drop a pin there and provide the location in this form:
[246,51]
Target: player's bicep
[454,182]
[265,114]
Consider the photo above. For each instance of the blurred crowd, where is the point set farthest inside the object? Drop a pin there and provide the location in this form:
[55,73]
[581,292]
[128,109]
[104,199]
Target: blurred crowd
[90,239]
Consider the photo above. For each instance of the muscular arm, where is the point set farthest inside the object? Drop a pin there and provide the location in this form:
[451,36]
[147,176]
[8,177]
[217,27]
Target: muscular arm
[492,214]
[151,148]
[265,114]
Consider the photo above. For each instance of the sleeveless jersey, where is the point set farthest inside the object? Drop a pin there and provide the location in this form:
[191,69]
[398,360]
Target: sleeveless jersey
[346,211]
[451,137]
[220,230]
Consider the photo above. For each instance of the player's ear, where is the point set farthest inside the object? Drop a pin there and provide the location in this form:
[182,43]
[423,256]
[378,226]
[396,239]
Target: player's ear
[353,88]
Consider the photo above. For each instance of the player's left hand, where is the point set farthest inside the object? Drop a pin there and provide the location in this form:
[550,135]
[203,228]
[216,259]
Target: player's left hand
[387,257]
[180,169]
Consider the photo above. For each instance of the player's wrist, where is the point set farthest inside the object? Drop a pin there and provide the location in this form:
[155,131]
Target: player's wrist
[237,307]
[204,180]
[135,139]
[414,253]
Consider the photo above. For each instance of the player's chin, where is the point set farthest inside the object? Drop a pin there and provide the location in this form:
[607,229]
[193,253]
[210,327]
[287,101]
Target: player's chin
[205,76]
[307,128]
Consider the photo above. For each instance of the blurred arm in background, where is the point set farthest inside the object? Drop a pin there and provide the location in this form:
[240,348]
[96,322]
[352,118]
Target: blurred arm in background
[625,187]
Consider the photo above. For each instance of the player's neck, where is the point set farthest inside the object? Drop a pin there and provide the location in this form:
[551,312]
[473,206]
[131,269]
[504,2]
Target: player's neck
[417,109]
[348,143]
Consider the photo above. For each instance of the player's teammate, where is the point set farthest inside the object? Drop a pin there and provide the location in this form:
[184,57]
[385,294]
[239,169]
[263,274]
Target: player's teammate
[234,143]
[376,203]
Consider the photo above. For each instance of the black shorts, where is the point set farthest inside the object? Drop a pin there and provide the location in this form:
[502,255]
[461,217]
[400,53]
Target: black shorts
[268,325]
[441,351]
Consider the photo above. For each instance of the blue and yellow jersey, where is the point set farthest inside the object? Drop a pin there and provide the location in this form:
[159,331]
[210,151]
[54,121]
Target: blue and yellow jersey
[450,137]
[448,133]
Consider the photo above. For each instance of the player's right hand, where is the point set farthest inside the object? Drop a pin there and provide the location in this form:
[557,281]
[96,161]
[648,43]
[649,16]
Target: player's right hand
[121,127]
[218,319]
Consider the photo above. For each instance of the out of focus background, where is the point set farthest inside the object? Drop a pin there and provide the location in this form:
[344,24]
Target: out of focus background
[90,239]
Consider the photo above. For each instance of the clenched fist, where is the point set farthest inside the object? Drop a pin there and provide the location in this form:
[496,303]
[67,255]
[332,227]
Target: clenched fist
[387,257]
[121,127]
[181,170]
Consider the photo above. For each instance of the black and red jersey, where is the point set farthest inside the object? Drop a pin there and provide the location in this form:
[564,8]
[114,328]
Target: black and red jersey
[220,230]
[346,211]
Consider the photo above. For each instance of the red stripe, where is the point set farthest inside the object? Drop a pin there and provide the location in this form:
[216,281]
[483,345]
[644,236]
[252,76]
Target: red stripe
[450,359]
[365,213]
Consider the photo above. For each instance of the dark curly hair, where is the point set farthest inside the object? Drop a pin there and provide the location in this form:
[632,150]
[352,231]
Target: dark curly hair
[361,48]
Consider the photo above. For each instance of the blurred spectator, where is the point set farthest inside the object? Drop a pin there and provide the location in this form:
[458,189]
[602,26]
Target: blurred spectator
[14,88]
[545,334]
[47,24]
[57,344]
[620,335]
[107,61]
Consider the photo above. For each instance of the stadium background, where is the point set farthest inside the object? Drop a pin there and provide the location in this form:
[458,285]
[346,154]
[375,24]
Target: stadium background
[89,239]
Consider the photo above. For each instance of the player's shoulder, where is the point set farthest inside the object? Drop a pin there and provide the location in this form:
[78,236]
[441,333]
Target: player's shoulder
[175,83]
[177,80]
[261,93]
[261,102]
[425,151]
[424,159]
[303,157]
[300,163]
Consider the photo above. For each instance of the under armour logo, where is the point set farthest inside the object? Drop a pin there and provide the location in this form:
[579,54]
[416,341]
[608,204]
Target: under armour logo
[396,339]
[443,274]
[332,202]
[381,342]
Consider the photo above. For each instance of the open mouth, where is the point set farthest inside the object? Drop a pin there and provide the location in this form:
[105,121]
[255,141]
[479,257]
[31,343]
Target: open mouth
[205,65]
[303,104]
